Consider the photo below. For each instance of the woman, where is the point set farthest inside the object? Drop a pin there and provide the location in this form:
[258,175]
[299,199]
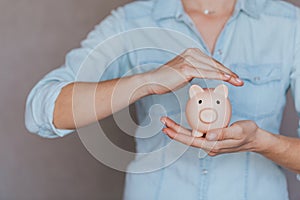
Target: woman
[259,41]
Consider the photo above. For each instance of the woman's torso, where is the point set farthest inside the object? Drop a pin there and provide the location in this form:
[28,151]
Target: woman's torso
[258,44]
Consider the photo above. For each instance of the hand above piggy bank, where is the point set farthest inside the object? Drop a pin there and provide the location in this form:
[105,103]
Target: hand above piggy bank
[208,109]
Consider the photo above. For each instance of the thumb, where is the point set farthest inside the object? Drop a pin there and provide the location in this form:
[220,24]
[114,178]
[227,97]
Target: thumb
[215,135]
[223,134]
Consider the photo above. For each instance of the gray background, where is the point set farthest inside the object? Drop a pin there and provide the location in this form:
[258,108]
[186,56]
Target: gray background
[35,35]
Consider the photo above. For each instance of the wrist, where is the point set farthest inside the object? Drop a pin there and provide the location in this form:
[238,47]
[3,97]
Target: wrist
[265,142]
[143,81]
[147,82]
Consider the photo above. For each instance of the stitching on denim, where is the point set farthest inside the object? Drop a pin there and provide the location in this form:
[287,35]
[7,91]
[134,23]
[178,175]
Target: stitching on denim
[207,176]
[200,179]
[246,176]
[162,174]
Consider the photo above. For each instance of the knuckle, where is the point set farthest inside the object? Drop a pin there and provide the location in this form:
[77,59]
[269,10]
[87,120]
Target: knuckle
[253,124]
[194,49]
[239,128]
[239,132]
[174,123]
[212,154]
[180,58]
[224,133]
[189,51]
[188,59]
[184,67]
[216,148]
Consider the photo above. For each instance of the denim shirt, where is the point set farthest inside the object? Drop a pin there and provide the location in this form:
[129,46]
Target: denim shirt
[260,42]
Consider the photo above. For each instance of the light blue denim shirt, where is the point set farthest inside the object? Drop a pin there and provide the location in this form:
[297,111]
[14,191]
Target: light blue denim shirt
[260,42]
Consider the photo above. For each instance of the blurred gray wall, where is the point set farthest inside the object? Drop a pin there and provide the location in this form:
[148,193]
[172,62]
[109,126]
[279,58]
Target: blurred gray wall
[35,35]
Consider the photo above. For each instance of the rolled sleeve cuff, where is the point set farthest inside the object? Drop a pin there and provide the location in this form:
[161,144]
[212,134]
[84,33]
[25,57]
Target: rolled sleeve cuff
[39,115]
[53,133]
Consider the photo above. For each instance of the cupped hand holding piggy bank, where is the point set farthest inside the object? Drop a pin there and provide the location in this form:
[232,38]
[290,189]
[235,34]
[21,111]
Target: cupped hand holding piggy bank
[208,109]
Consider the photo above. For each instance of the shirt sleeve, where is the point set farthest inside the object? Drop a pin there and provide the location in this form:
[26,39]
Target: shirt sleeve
[295,74]
[41,100]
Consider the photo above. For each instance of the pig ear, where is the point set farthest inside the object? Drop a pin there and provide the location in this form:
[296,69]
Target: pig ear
[195,89]
[222,90]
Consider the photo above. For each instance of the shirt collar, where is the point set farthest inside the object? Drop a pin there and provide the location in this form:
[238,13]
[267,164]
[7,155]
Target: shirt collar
[164,9]
[253,8]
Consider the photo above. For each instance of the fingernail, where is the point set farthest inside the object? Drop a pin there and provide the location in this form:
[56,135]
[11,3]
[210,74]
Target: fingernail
[239,80]
[227,76]
[211,136]
[162,121]
[165,132]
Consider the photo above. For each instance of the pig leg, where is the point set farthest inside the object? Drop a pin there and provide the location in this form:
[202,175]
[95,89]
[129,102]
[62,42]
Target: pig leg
[196,133]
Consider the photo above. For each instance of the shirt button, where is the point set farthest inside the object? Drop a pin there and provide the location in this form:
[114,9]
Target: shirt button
[202,154]
[204,171]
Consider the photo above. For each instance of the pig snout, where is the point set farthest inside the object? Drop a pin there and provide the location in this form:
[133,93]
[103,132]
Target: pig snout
[208,115]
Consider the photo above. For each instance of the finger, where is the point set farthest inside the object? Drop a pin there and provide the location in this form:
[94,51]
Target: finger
[234,132]
[208,146]
[227,146]
[200,62]
[208,64]
[176,127]
[213,154]
[185,139]
[235,78]
[212,63]
[205,59]
[206,74]
[213,74]
[221,67]
[231,150]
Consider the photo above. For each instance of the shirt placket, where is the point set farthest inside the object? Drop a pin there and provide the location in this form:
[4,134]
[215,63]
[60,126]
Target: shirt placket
[204,160]
[219,49]
[204,174]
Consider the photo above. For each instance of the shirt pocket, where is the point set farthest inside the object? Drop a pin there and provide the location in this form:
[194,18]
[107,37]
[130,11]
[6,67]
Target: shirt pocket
[259,96]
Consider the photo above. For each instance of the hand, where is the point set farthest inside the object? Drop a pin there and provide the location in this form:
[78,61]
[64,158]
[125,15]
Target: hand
[239,137]
[190,64]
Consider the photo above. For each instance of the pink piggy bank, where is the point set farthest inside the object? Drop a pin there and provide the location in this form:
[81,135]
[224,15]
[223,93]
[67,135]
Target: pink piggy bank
[208,109]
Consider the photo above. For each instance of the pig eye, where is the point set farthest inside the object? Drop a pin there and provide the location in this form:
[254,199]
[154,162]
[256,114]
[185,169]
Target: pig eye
[218,102]
[200,101]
